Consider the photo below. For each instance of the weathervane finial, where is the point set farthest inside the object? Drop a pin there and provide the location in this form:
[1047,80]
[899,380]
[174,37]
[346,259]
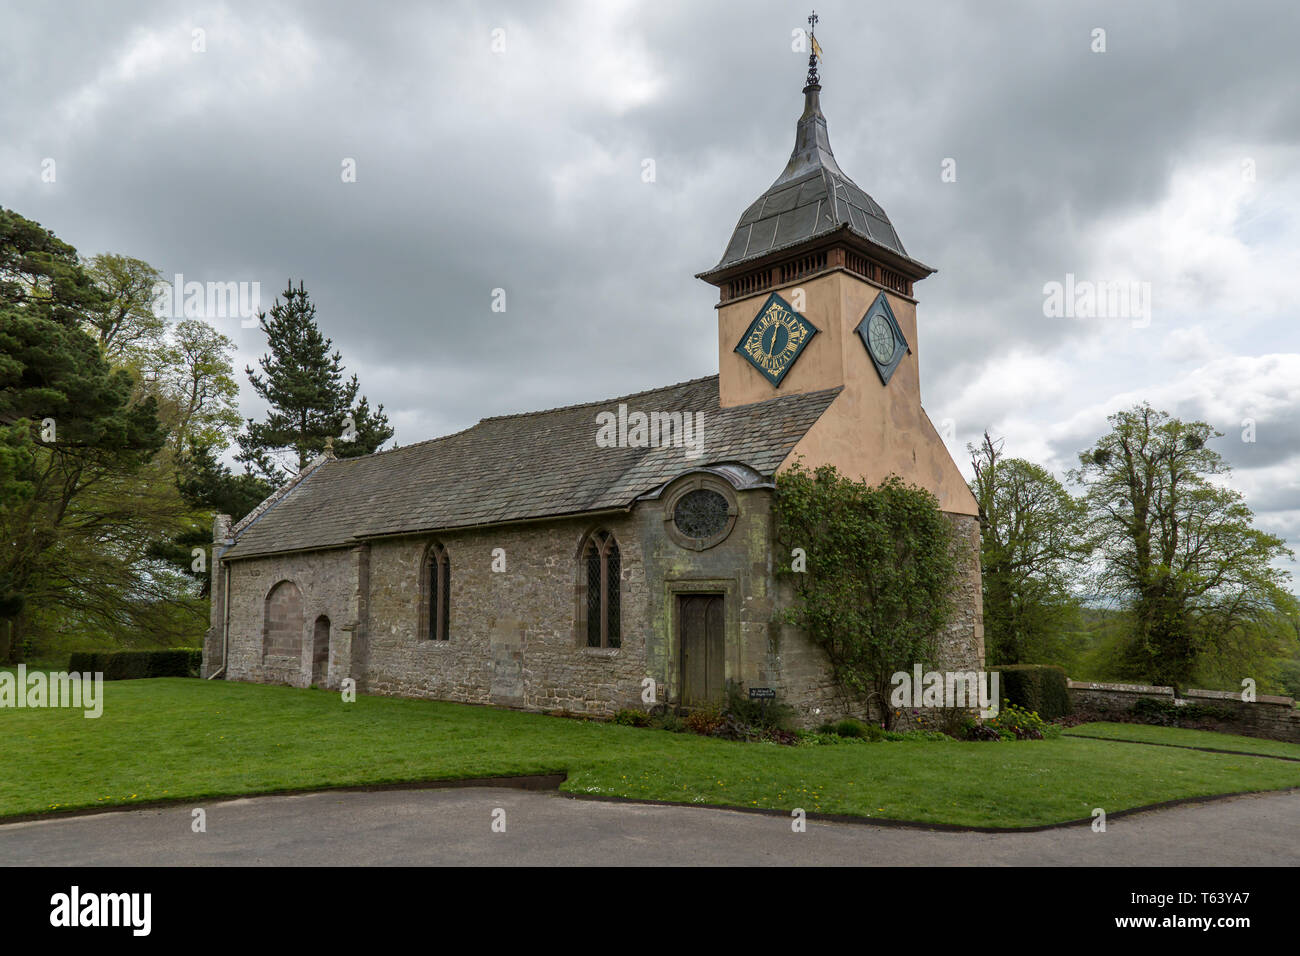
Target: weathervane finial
[814,52]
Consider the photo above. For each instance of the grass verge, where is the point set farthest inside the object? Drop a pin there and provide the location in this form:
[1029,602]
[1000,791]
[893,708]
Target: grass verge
[182,739]
[1182,737]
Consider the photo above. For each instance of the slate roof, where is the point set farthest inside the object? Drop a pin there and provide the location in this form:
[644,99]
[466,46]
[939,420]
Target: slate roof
[516,467]
[811,197]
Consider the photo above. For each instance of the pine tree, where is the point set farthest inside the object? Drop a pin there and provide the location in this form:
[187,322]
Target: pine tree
[69,428]
[311,402]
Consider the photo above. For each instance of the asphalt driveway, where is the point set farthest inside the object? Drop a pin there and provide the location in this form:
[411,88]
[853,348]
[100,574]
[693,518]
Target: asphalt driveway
[456,827]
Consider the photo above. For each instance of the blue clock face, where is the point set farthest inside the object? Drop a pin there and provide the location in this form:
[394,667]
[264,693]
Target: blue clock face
[883,338]
[775,339]
[880,339]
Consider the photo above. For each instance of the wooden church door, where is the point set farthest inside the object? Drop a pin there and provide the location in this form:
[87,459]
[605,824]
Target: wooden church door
[703,645]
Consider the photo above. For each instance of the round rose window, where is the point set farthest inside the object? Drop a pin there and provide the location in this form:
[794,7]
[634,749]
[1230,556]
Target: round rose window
[701,514]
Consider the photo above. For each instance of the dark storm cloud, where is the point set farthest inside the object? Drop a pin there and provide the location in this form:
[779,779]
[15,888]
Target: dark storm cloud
[522,170]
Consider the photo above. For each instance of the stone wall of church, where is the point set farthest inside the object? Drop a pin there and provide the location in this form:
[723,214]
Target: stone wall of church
[515,637]
[513,633]
[280,598]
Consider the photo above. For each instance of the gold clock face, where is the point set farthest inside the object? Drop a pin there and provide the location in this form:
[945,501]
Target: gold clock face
[775,338]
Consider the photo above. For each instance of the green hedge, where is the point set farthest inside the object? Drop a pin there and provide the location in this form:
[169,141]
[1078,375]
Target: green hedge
[132,665]
[1156,710]
[1041,688]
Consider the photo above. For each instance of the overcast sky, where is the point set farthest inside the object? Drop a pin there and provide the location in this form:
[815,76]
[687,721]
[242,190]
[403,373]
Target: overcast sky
[1170,159]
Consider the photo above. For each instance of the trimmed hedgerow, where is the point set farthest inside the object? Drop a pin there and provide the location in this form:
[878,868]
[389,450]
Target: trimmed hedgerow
[1165,713]
[1038,688]
[133,665]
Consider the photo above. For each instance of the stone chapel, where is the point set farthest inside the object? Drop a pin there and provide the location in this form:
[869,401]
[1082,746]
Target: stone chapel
[562,559]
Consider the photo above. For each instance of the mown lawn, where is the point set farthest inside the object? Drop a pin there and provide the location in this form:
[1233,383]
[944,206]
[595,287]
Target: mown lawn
[1178,736]
[193,740]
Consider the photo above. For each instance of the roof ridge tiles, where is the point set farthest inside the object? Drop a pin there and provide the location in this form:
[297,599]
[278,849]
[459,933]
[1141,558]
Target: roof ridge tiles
[601,401]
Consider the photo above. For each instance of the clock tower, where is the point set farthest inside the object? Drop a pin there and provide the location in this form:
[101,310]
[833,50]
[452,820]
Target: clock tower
[815,292]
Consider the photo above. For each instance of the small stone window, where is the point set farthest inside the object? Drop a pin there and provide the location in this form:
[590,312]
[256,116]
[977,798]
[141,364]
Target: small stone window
[602,569]
[435,610]
[700,513]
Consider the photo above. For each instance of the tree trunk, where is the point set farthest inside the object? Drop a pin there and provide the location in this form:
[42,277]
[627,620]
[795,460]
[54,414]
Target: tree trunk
[11,641]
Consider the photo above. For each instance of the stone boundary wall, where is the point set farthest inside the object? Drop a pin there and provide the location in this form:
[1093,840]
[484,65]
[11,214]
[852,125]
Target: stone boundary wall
[1273,718]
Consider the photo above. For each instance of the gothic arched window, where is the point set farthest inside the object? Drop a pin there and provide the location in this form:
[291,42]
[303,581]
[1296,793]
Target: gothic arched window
[603,569]
[436,587]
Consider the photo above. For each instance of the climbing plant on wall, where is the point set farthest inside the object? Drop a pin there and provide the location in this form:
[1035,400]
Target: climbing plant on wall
[873,571]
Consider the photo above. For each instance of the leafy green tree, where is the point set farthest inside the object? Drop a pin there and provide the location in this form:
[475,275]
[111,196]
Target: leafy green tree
[186,368]
[129,331]
[70,425]
[210,488]
[209,484]
[198,387]
[881,568]
[310,401]
[1031,532]
[1176,547]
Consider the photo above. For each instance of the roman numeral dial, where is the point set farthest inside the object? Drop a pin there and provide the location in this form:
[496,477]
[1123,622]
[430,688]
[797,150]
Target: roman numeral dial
[775,339]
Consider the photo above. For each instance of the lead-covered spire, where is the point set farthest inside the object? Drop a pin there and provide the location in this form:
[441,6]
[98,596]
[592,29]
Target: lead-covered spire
[812,198]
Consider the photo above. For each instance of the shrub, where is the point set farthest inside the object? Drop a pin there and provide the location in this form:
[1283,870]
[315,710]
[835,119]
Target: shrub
[874,732]
[817,739]
[133,665]
[950,721]
[848,727]
[786,738]
[705,720]
[732,729]
[87,662]
[913,735]
[632,718]
[174,663]
[1016,723]
[1158,710]
[758,714]
[672,723]
[1040,688]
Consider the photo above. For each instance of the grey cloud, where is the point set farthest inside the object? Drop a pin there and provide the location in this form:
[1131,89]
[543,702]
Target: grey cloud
[223,169]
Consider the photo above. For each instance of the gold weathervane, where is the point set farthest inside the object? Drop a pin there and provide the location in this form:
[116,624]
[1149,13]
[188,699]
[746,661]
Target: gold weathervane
[815,51]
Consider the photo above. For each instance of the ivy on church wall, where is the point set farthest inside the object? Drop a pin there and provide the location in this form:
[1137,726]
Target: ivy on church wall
[874,571]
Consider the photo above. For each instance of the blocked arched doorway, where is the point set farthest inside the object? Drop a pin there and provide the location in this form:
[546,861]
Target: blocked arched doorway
[282,627]
[320,651]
